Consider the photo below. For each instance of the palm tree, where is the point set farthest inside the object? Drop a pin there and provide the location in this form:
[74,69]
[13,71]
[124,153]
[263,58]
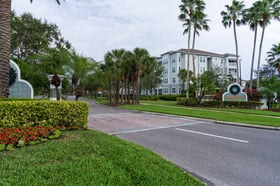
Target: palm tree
[79,67]
[116,57]
[142,59]
[199,23]
[232,16]
[5,45]
[274,57]
[268,9]
[252,17]
[183,76]
[189,11]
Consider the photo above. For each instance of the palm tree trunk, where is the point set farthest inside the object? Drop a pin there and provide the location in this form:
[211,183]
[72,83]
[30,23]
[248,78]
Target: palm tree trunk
[58,93]
[5,45]
[110,91]
[253,59]
[128,92]
[188,62]
[117,92]
[259,58]
[122,86]
[236,51]
[133,92]
[193,58]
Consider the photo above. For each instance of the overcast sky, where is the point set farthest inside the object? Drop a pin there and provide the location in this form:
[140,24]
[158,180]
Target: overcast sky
[94,27]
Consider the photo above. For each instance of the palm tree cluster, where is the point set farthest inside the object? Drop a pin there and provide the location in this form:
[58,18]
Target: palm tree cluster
[124,71]
[194,20]
[260,15]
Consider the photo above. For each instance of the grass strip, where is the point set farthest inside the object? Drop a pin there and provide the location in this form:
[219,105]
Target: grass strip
[246,111]
[88,157]
[209,114]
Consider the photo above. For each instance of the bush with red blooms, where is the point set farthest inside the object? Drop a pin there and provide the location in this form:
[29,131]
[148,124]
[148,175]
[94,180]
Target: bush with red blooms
[18,137]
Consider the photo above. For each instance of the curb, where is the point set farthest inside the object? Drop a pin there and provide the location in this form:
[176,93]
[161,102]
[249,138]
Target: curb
[247,125]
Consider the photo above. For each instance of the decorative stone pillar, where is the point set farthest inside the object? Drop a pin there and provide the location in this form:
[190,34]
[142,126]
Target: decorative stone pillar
[52,87]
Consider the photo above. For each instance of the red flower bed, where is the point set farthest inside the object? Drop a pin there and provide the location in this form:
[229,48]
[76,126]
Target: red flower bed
[12,136]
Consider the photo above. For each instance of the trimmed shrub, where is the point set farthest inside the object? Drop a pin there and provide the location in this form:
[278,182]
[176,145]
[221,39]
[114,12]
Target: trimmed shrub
[149,97]
[168,97]
[181,100]
[235,104]
[71,114]
[18,99]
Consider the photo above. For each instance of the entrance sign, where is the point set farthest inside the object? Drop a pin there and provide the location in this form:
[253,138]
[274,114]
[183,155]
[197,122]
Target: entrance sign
[235,93]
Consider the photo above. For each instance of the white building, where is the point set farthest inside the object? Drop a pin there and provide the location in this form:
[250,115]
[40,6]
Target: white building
[173,61]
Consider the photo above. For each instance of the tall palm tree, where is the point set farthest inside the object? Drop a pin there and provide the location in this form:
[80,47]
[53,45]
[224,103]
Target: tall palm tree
[189,11]
[274,57]
[199,23]
[233,16]
[268,9]
[5,45]
[252,17]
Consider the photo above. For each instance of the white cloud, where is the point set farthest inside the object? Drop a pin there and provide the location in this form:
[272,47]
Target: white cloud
[95,27]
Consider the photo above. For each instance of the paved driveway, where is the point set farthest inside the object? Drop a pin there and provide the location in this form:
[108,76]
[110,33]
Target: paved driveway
[116,121]
[220,155]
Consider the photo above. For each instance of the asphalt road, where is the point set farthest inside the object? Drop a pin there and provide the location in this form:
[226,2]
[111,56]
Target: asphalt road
[218,154]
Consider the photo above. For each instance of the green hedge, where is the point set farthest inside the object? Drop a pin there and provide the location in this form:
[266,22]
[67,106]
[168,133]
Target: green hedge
[222,104]
[45,113]
[17,99]
[168,97]
[150,97]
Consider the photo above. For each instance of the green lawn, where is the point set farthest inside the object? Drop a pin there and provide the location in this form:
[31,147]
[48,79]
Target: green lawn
[88,157]
[246,111]
[209,114]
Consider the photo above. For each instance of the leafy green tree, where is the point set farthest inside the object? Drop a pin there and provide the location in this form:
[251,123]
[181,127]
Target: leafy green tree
[268,9]
[152,76]
[5,45]
[233,16]
[270,88]
[31,36]
[52,62]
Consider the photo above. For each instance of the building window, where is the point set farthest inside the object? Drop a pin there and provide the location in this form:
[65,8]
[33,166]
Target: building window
[173,90]
[165,71]
[173,58]
[165,90]
[173,69]
[174,80]
[165,61]
[232,71]
[232,62]
[165,80]
[180,90]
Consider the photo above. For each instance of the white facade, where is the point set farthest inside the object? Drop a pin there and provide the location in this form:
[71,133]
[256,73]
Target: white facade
[173,61]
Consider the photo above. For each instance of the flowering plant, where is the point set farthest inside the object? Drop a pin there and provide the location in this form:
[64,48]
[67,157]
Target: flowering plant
[17,137]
